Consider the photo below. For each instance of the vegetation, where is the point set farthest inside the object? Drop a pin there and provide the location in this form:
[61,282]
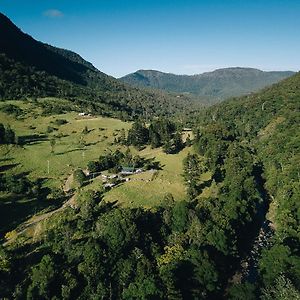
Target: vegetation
[29,68]
[126,253]
[161,132]
[219,220]
[210,87]
[7,135]
[264,127]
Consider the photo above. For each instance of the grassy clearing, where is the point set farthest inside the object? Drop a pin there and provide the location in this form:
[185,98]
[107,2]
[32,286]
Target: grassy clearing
[147,190]
[72,148]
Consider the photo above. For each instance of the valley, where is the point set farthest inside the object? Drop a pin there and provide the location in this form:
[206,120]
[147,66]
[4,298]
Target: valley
[140,188]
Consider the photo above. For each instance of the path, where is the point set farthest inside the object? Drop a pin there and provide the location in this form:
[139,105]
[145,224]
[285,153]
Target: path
[68,183]
[38,218]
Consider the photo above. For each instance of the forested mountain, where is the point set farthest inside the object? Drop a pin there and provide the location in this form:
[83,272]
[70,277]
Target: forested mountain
[265,128]
[33,69]
[214,86]
[235,237]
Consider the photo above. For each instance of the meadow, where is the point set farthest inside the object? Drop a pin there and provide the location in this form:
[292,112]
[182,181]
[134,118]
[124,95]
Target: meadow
[78,140]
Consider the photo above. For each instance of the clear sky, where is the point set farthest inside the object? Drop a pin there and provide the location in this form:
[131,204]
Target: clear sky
[182,37]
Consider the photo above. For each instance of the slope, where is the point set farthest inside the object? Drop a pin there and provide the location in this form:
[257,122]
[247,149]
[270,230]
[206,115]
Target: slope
[216,85]
[33,69]
[266,126]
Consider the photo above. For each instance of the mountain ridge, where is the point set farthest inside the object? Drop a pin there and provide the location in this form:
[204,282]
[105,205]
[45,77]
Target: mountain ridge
[30,68]
[218,85]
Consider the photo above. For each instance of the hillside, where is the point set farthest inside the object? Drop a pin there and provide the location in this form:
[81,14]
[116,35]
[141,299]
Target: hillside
[30,68]
[264,126]
[215,86]
[220,219]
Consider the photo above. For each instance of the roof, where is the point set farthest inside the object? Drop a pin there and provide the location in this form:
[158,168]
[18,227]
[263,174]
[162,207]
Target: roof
[128,169]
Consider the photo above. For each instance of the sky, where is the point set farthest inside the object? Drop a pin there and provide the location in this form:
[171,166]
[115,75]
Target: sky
[176,36]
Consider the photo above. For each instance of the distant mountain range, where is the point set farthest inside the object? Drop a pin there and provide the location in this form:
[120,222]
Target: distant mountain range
[216,86]
[29,68]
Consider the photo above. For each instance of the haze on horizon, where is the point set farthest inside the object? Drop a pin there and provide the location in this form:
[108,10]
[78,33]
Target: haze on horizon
[181,37]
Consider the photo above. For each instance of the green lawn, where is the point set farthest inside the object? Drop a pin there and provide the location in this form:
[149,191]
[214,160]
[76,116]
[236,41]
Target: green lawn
[73,149]
[147,192]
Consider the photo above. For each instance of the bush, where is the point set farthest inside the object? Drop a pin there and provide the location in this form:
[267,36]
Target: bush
[79,177]
[59,122]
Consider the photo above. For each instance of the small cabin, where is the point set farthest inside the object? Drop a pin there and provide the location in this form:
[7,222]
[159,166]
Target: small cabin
[127,170]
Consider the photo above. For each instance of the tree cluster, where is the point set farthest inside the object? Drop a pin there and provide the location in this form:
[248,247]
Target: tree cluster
[161,132]
[7,135]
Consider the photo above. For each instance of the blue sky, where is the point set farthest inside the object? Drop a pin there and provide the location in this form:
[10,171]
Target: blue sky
[182,37]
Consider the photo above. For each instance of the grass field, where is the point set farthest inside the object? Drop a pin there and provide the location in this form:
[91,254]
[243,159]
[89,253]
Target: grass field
[73,149]
[147,190]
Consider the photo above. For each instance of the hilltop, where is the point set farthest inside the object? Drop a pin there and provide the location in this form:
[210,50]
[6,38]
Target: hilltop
[214,86]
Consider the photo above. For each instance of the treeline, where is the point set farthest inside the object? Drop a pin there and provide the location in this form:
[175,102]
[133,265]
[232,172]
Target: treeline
[101,94]
[182,250]
[160,132]
[113,161]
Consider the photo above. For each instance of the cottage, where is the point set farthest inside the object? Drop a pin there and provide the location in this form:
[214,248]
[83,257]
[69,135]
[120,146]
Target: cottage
[109,185]
[127,170]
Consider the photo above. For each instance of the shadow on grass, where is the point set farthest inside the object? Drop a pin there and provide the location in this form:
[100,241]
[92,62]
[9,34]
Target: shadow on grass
[7,167]
[32,138]
[68,151]
[92,144]
[15,209]
[6,159]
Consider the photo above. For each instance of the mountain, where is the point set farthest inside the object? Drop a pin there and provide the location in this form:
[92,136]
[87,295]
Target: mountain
[217,85]
[29,68]
[265,126]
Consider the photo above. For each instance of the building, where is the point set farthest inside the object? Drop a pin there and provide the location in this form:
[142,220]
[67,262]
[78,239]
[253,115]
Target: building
[127,170]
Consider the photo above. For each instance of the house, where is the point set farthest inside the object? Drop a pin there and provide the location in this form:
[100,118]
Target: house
[127,170]
[109,185]
[112,176]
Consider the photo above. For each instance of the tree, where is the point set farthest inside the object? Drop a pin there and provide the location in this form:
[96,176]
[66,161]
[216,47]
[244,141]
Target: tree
[85,130]
[168,147]
[2,134]
[177,141]
[52,144]
[42,277]
[242,291]
[282,289]
[79,177]
[138,135]
[9,136]
[118,230]
[93,166]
